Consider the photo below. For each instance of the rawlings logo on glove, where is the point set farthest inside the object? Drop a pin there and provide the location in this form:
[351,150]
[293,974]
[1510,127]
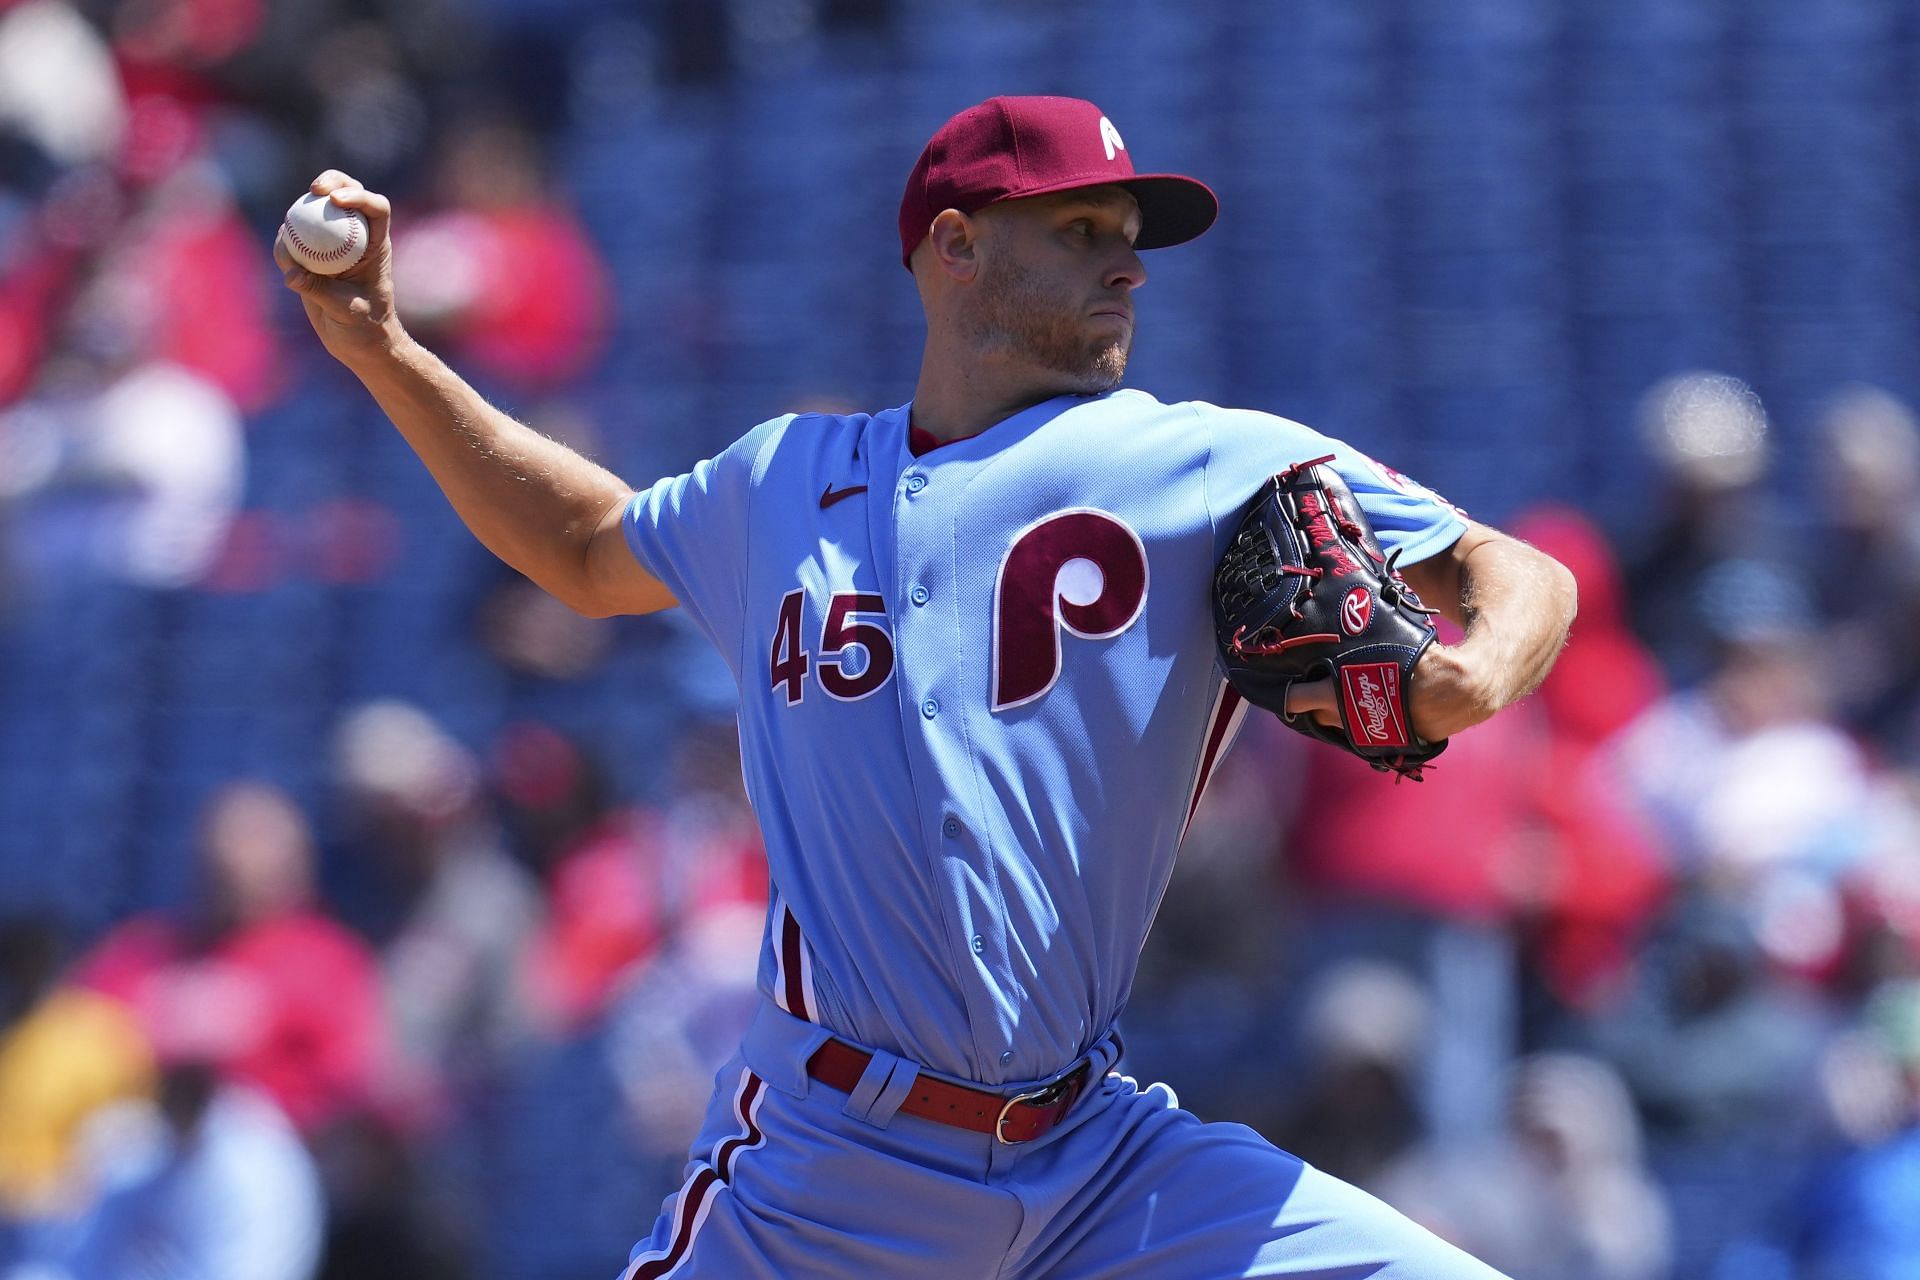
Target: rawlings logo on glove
[1304,593]
[1356,611]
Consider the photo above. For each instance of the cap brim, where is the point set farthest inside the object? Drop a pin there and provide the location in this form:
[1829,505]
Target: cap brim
[1173,209]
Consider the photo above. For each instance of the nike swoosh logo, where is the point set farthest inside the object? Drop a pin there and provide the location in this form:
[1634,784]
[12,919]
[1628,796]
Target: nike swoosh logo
[830,495]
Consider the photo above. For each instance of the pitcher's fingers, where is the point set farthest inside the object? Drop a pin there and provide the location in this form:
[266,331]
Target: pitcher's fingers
[369,204]
[297,277]
[331,295]
[331,180]
[1314,698]
[1310,695]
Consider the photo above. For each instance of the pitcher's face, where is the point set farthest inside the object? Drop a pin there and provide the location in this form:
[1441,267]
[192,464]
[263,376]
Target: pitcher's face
[1056,284]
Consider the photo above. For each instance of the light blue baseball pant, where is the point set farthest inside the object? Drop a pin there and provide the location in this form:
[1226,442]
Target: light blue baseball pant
[793,1180]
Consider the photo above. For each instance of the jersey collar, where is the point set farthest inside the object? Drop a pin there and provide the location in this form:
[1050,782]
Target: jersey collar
[921,442]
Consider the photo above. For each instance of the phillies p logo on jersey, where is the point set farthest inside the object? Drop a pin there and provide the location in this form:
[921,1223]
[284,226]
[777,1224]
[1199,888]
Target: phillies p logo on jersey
[1083,571]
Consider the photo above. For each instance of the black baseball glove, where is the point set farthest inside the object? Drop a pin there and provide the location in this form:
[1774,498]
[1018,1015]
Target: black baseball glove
[1304,593]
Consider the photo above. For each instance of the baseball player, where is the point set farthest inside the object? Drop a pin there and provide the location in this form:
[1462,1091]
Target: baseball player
[979,703]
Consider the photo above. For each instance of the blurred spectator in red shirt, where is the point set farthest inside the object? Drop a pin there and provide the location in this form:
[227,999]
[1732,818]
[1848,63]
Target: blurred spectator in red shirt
[1600,871]
[187,34]
[1605,676]
[504,273]
[1516,823]
[187,253]
[255,978]
[1455,848]
[623,880]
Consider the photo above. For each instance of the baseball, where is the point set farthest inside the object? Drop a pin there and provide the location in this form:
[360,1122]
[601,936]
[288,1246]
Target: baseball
[323,237]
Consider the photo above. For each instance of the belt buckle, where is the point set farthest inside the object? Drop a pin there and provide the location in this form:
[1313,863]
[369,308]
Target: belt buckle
[1046,1093]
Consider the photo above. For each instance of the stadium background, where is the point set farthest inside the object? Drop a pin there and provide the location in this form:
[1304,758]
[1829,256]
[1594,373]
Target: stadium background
[1626,992]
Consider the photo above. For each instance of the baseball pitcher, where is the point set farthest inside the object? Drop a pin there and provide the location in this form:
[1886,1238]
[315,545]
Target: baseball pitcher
[983,642]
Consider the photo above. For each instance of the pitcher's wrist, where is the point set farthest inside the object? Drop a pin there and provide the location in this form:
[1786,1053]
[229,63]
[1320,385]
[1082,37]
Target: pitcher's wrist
[380,347]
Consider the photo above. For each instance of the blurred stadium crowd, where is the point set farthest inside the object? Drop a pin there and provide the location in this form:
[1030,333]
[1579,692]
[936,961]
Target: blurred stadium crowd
[367,914]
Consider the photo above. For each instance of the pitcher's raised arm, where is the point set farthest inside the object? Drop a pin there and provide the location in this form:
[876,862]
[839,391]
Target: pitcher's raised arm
[544,509]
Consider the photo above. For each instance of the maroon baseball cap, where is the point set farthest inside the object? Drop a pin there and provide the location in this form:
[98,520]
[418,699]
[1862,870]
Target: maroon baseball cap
[1007,148]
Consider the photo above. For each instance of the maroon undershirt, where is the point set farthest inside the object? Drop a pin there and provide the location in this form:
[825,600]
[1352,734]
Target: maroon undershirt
[922,441]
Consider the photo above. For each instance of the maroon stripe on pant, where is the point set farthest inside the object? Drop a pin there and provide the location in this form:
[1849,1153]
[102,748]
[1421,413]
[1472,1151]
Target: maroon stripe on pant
[724,1153]
[695,1195]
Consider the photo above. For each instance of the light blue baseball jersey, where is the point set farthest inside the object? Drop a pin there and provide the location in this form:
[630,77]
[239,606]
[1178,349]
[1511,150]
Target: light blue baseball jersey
[979,698]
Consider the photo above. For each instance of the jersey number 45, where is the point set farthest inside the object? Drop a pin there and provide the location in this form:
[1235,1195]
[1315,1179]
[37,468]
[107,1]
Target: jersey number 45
[855,657]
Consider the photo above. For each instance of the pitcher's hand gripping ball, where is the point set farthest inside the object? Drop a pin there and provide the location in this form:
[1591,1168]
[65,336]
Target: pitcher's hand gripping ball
[323,237]
[1304,593]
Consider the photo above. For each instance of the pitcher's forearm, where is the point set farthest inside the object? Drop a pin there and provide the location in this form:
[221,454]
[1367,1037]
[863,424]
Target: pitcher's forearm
[1515,605]
[1518,605]
[532,501]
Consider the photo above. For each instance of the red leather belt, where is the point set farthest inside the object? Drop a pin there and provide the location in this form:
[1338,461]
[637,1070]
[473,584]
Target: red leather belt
[1010,1118]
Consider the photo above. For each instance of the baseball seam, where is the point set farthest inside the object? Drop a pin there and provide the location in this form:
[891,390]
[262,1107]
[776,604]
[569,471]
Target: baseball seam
[325,255]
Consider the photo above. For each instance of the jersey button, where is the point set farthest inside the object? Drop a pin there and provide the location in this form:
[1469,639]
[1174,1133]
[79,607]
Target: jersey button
[979,944]
[919,595]
[916,482]
[951,826]
[929,708]
[1006,1057]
